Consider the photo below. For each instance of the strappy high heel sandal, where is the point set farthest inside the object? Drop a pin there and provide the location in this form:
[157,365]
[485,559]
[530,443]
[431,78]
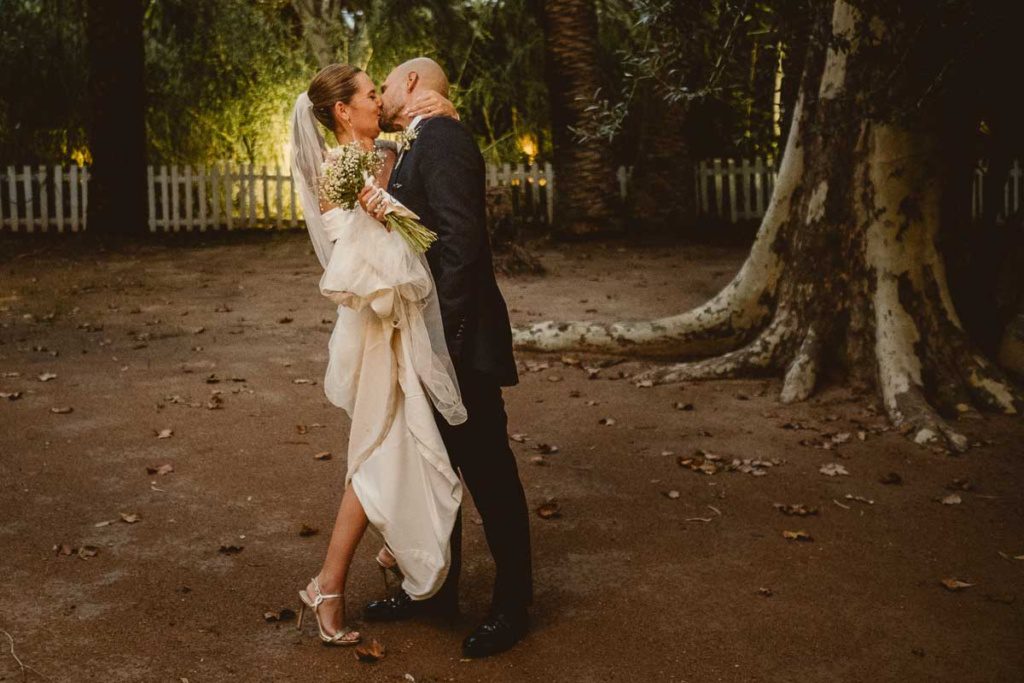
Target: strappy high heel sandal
[387,563]
[345,636]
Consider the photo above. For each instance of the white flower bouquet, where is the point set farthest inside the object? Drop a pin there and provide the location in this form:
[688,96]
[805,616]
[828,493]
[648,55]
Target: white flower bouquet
[343,175]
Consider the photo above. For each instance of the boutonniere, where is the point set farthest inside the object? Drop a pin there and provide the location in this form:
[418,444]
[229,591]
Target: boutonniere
[405,139]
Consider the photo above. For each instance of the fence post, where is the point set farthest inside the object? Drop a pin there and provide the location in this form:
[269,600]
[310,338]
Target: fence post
[165,200]
[277,195]
[229,197]
[202,198]
[58,196]
[85,197]
[151,197]
[44,199]
[73,188]
[549,174]
[26,179]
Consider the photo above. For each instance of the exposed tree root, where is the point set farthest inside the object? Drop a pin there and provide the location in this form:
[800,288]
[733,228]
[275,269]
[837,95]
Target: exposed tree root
[802,374]
[758,356]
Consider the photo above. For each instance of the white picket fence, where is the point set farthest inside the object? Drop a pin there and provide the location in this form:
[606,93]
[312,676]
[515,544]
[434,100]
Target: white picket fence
[735,191]
[229,196]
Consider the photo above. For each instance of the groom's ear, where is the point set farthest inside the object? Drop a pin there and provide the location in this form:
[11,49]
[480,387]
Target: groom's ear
[411,80]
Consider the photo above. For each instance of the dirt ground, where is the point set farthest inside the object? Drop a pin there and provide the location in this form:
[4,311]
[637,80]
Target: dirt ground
[653,572]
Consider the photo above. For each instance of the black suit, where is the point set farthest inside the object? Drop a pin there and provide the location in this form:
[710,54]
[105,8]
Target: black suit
[441,178]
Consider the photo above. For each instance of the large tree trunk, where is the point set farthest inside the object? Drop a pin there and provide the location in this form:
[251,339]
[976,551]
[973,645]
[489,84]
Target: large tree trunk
[662,194]
[117,125]
[845,268]
[587,190]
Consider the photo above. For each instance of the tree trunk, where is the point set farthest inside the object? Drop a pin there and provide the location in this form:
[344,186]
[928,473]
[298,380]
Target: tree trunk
[586,198]
[662,194]
[845,268]
[117,127]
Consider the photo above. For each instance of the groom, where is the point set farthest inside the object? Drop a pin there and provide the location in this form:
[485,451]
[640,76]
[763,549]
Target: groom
[439,174]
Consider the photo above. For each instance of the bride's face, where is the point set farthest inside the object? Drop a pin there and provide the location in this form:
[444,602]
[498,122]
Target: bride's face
[363,111]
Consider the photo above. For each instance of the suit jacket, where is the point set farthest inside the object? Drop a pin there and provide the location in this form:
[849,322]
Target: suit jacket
[441,177]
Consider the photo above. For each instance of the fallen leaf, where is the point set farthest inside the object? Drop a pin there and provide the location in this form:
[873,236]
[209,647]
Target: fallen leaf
[832,469]
[859,499]
[797,536]
[960,485]
[765,592]
[570,361]
[554,378]
[370,653]
[538,460]
[62,410]
[47,376]
[283,614]
[891,479]
[606,421]
[673,494]
[10,395]
[106,522]
[520,438]
[87,551]
[230,549]
[63,549]
[307,530]
[795,509]
[955,584]
[284,320]
[683,406]
[130,517]
[549,510]
[546,448]
[166,468]
[952,499]
[302,380]
[322,455]
[164,433]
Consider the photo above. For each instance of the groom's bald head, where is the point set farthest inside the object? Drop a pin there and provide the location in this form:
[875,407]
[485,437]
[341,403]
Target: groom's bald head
[422,73]
[404,82]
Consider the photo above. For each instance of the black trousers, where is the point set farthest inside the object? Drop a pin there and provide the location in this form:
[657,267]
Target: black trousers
[479,451]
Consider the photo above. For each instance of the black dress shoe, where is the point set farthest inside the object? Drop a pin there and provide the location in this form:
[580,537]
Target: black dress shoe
[498,633]
[401,606]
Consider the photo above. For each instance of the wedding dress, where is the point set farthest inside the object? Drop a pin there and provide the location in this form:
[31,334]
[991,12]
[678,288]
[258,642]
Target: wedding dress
[381,365]
[387,363]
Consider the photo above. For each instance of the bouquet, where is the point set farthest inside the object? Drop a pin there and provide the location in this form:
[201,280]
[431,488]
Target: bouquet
[343,175]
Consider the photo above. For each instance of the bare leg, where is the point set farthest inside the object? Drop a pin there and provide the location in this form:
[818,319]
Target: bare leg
[348,530]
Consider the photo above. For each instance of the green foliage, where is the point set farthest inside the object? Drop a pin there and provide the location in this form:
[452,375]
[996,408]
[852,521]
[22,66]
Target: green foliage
[221,79]
[42,80]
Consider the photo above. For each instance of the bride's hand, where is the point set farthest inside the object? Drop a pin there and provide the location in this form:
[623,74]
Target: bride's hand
[326,206]
[371,198]
[430,103]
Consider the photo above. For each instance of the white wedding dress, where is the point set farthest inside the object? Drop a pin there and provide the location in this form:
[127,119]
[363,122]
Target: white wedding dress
[384,372]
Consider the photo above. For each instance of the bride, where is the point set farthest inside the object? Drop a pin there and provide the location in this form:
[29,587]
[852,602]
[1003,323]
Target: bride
[387,361]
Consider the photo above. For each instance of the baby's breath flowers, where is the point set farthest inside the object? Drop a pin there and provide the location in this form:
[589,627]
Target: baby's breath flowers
[344,174]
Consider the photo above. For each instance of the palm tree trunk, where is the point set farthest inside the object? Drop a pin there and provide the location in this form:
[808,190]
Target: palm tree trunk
[586,198]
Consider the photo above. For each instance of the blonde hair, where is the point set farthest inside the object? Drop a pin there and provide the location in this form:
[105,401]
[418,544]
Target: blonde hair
[333,83]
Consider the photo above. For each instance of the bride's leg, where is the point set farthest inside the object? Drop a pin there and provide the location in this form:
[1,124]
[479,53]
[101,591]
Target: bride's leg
[349,527]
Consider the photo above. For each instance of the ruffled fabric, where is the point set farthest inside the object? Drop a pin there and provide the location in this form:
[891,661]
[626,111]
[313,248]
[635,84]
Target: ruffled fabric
[383,371]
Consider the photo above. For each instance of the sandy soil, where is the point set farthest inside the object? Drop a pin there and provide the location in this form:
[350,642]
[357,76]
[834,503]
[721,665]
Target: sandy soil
[653,571]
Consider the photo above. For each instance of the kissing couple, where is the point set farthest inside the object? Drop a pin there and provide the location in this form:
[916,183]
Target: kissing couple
[418,355]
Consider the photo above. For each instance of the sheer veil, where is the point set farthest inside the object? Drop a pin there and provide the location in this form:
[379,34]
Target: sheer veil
[425,334]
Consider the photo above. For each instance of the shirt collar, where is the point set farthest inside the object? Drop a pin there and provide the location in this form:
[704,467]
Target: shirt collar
[415,122]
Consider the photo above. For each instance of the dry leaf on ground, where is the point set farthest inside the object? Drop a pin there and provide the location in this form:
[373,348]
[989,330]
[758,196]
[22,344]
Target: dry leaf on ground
[955,584]
[549,510]
[832,469]
[797,536]
[372,652]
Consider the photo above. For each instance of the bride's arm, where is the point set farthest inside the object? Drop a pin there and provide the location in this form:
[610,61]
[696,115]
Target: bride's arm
[430,103]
